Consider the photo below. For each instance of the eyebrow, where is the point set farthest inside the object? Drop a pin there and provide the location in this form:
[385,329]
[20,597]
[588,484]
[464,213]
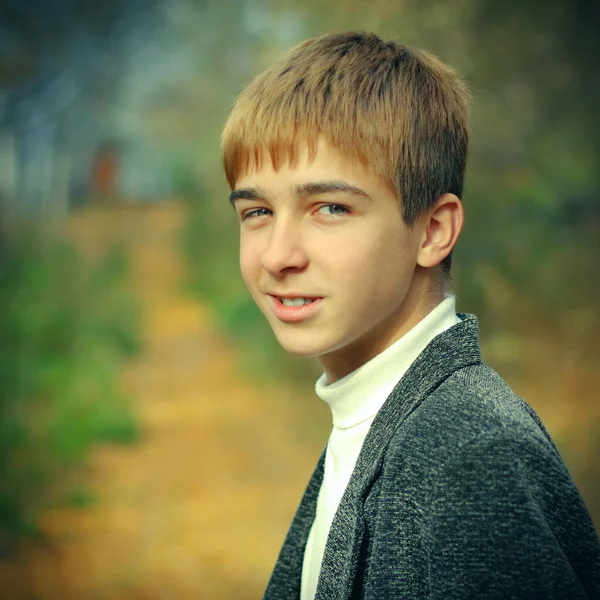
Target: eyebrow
[247,194]
[302,190]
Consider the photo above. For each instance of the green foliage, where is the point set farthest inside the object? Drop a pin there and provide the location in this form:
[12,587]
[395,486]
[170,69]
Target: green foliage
[66,327]
[80,498]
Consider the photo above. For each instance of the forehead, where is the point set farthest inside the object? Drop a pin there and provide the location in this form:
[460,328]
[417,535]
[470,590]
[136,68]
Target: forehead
[323,162]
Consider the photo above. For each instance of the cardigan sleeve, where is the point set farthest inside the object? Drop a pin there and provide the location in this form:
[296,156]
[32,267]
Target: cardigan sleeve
[507,522]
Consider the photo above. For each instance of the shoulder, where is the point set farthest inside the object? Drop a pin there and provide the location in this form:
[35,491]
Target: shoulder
[474,430]
[472,409]
[472,437]
[479,474]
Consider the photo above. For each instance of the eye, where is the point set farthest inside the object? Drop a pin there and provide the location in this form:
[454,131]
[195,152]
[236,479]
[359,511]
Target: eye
[255,212]
[333,209]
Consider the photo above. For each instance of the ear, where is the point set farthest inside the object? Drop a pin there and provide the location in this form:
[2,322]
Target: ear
[443,224]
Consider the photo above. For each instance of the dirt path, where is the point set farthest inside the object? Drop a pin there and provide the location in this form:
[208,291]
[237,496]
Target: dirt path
[198,509]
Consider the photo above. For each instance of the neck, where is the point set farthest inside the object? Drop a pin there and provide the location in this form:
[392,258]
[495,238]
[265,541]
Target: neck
[423,296]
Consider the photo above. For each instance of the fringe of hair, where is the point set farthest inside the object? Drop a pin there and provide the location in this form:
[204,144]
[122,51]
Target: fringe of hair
[399,111]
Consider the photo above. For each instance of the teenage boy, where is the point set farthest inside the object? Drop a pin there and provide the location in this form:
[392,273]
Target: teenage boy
[346,164]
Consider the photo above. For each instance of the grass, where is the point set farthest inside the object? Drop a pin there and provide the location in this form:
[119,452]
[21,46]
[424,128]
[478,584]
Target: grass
[66,327]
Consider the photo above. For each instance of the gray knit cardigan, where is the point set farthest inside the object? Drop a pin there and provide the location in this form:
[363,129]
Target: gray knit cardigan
[458,492]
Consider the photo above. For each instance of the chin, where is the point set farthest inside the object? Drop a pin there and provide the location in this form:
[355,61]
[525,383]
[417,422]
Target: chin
[302,351]
[309,348]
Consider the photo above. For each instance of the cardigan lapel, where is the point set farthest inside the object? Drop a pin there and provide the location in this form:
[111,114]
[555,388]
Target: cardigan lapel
[450,351]
[285,580]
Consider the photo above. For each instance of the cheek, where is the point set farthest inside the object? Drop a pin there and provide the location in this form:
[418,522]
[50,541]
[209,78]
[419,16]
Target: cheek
[249,261]
[386,267]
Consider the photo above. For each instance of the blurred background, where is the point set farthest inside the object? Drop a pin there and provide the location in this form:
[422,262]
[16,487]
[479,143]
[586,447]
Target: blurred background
[154,439]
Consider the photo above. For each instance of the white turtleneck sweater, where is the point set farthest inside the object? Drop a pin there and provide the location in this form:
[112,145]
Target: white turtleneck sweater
[354,401]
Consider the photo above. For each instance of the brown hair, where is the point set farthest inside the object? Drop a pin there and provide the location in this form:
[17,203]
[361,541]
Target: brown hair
[400,111]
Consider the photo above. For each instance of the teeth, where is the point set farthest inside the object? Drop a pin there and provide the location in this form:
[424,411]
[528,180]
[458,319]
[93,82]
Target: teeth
[295,301]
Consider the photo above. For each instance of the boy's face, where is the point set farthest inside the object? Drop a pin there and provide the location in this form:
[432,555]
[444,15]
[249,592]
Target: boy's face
[332,233]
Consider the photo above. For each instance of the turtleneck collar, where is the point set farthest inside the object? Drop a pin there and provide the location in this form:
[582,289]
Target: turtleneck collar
[359,395]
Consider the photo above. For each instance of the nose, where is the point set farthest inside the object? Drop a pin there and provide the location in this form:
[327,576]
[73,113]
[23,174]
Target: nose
[284,251]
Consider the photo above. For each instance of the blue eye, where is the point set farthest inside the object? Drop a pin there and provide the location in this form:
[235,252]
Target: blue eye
[257,212]
[333,209]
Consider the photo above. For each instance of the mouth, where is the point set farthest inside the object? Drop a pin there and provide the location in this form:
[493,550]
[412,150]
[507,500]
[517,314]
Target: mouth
[295,300]
[296,308]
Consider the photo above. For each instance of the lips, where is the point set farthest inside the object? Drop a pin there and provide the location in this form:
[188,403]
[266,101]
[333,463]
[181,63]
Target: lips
[297,312]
